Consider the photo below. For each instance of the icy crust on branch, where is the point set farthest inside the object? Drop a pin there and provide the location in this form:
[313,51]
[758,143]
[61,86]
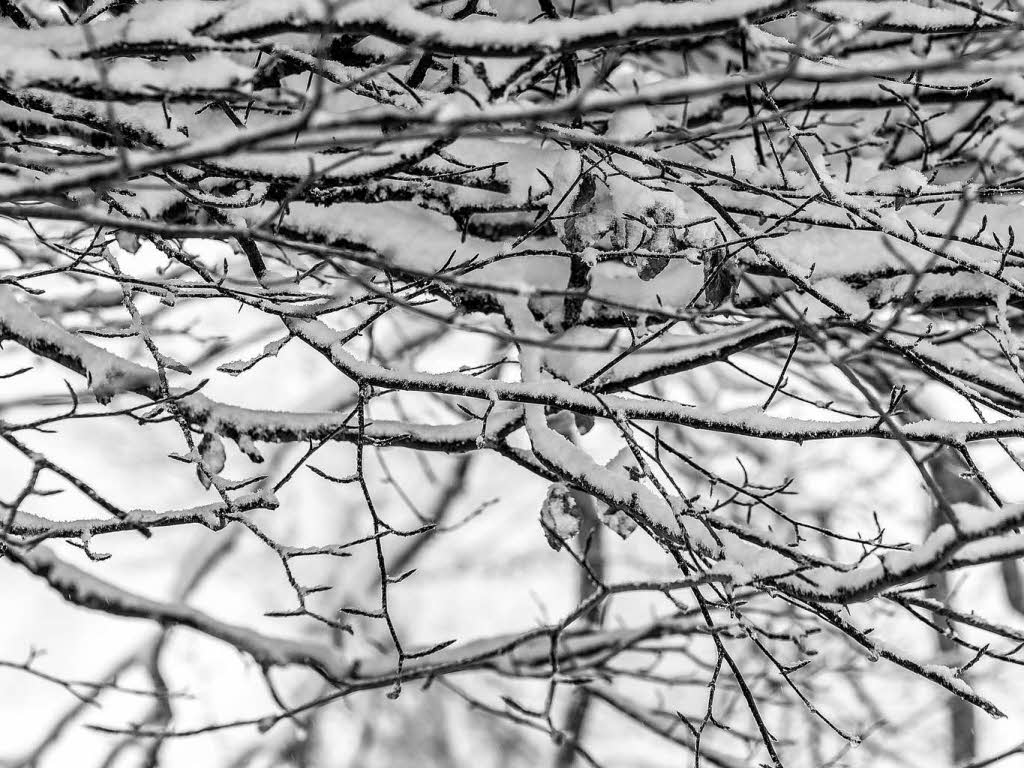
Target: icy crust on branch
[402,234]
[512,172]
[196,23]
[743,555]
[107,374]
[325,169]
[114,375]
[28,66]
[894,15]
[399,21]
[977,531]
[212,516]
[580,353]
[144,24]
[240,423]
[424,241]
[110,375]
[510,653]
[560,394]
[82,588]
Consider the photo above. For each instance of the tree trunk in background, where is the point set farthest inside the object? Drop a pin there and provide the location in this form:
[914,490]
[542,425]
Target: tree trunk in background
[947,468]
[589,541]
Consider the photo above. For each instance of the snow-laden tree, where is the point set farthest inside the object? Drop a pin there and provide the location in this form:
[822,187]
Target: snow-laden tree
[332,328]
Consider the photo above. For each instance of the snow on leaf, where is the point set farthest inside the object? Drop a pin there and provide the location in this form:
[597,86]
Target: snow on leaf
[631,124]
[618,521]
[721,276]
[613,517]
[129,241]
[559,515]
[213,455]
[248,446]
[236,367]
